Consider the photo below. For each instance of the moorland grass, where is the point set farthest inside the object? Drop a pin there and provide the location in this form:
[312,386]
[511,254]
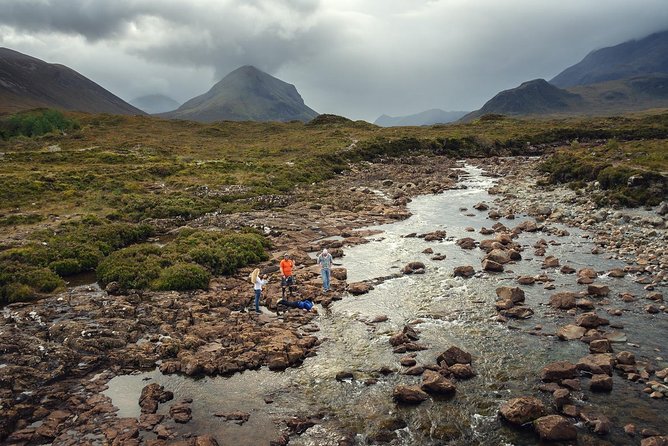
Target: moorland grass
[127,170]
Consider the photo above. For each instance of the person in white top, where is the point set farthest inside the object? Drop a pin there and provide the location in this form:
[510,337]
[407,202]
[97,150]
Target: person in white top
[325,261]
[258,282]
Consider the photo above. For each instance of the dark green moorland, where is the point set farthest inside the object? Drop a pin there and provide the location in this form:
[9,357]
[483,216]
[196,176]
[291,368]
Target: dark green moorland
[81,193]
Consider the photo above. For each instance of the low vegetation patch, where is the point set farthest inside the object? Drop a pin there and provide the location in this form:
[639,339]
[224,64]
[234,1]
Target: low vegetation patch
[35,123]
[617,174]
[40,265]
[186,263]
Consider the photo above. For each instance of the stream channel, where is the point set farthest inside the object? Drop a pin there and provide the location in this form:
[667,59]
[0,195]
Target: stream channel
[446,311]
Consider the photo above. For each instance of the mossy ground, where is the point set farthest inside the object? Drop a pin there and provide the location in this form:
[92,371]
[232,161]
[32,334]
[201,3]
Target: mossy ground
[126,170]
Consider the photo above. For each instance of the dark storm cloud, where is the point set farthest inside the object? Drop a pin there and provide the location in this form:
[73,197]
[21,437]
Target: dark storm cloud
[351,57]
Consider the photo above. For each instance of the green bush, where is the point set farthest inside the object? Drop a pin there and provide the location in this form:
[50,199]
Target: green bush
[133,267]
[35,123]
[43,280]
[183,276]
[220,252]
[65,267]
[73,248]
[185,263]
[17,292]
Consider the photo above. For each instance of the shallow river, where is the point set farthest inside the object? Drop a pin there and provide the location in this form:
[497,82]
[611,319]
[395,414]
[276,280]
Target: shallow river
[450,311]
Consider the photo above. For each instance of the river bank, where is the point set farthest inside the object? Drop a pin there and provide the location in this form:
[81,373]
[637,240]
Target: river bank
[60,353]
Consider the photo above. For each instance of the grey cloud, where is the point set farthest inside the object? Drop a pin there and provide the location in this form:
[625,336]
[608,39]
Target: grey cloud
[359,59]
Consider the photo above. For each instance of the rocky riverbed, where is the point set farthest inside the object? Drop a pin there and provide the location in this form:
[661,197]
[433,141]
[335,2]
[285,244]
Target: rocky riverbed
[57,355]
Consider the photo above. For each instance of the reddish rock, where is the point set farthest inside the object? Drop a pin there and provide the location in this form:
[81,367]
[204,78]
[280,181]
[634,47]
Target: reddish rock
[340,273]
[462,371]
[550,262]
[358,288]
[454,355]
[490,265]
[409,394]
[563,301]
[600,346]
[555,428]
[466,243]
[518,312]
[598,290]
[571,332]
[557,371]
[434,382]
[587,272]
[464,271]
[596,364]
[515,294]
[522,410]
[626,358]
[526,280]
[499,256]
[600,383]
[591,320]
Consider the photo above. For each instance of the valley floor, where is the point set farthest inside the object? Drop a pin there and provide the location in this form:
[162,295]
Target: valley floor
[58,354]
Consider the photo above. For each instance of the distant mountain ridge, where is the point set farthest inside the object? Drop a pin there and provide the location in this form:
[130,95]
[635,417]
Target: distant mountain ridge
[427,117]
[246,94]
[27,82]
[633,58]
[628,77]
[155,103]
[532,97]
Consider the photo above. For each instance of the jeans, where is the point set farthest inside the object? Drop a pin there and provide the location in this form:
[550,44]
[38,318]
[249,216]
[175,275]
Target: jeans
[257,300]
[325,272]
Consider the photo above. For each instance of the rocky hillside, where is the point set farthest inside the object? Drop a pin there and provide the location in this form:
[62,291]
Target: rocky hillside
[27,82]
[629,59]
[536,97]
[428,117]
[246,94]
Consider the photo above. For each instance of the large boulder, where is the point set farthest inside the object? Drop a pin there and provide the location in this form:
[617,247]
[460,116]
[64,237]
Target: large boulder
[409,394]
[571,332]
[434,382]
[454,355]
[600,363]
[563,301]
[464,271]
[515,294]
[358,288]
[557,371]
[522,410]
[591,320]
[466,243]
[598,290]
[555,428]
[491,265]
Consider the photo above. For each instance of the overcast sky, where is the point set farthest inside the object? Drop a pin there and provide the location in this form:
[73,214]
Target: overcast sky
[356,58]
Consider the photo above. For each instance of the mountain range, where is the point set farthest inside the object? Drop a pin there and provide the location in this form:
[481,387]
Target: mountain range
[27,82]
[428,117]
[623,78]
[154,103]
[246,94]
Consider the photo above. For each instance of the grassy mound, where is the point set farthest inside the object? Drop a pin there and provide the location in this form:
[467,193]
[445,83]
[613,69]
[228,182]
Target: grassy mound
[186,263]
[617,174]
[40,265]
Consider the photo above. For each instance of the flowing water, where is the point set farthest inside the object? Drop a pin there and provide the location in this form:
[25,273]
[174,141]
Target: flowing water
[446,311]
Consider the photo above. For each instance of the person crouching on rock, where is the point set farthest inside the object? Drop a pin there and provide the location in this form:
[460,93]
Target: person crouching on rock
[325,262]
[258,282]
[287,279]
